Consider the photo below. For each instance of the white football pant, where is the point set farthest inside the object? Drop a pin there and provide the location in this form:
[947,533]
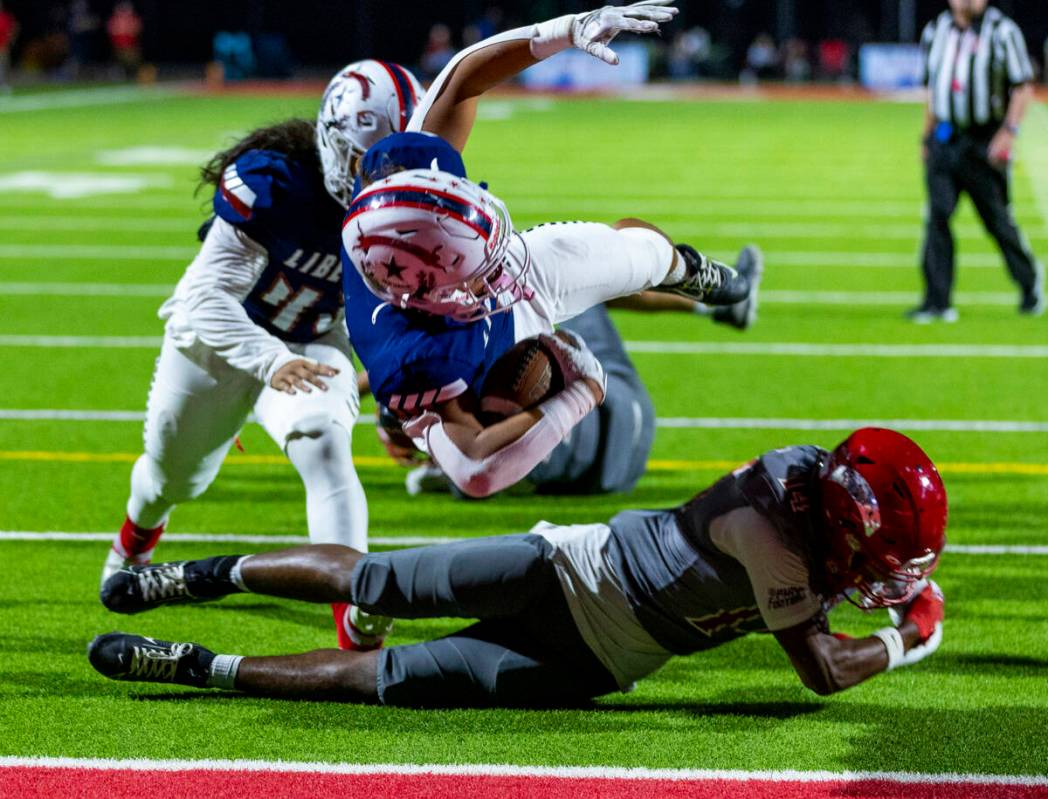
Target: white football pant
[197,405]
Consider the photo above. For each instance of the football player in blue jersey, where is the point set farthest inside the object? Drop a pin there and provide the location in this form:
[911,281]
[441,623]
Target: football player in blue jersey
[255,326]
[439,285]
[567,613]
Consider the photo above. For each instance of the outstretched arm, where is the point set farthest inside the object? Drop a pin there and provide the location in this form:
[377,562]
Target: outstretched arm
[449,108]
[828,663]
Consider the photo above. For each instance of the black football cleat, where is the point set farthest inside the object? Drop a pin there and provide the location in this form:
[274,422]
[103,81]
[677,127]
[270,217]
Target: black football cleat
[135,658]
[741,315]
[134,589]
[708,281]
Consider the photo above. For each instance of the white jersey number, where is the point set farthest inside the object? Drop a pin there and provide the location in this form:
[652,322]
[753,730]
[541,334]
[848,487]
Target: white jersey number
[290,304]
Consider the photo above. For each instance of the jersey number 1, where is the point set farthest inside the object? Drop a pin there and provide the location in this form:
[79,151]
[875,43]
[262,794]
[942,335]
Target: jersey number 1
[290,304]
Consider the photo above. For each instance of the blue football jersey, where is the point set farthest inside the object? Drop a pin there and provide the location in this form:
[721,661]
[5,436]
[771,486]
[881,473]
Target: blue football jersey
[283,206]
[416,360]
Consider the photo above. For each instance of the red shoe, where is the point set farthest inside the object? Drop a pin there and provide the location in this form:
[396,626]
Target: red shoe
[133,546]
[359,631]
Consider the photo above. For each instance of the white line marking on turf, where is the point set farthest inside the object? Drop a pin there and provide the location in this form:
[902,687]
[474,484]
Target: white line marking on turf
[99,223]
[669,422]
[78,98]
[93,289]
[804,349]
[398,540]
[846,298]
[801,258]
[98,252]
[794,349]
[502,770]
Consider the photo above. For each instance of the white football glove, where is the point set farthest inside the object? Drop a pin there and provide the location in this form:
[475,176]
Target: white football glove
[922,650]
[593,31]
[417,427]
[574,358]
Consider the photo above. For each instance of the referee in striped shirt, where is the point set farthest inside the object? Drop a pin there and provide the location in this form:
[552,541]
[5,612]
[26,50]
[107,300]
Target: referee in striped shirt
[980,80]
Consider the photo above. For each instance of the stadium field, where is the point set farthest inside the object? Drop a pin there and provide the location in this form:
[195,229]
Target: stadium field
[97,222]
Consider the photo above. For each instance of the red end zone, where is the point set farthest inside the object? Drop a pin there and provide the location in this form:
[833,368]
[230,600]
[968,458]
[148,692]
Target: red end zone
[415,782]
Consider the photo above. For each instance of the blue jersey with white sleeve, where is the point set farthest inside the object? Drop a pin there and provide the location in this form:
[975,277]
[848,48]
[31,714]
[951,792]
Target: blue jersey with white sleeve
[280,204]
[416,360]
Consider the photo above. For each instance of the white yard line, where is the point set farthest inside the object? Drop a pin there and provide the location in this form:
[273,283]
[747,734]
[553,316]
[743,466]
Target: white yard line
[98,252]
[769,297]
[671,422]
[167,224]
[808,350]
[774,258]
[790,349]
[79,98]
[44,536]
[87,289]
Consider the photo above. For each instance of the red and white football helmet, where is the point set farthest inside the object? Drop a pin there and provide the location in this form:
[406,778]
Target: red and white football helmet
[437,243]
[364,102]
[883,507]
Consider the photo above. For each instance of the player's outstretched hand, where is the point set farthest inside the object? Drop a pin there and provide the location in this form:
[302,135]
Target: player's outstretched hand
[594,31]
[925,610]
[300,374]
[576,362]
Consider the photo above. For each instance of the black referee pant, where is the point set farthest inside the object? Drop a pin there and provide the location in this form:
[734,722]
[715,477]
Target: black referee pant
[961,164]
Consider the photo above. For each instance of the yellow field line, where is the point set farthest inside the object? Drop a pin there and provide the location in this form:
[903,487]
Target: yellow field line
[1037,469]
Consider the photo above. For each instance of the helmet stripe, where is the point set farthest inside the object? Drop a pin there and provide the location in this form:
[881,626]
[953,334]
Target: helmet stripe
[404,93]
[410,98]
[423,199]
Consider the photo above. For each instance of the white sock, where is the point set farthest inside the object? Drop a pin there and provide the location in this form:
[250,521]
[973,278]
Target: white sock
[235,576]
[678,272]
[224,671]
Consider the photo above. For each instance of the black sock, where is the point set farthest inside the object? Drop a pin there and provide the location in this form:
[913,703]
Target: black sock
[210,578]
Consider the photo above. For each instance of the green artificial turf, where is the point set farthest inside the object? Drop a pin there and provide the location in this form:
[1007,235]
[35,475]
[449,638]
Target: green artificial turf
[833,193]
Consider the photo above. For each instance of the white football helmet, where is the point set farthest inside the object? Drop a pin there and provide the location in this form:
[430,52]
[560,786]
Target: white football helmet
[364,102]
[431,241]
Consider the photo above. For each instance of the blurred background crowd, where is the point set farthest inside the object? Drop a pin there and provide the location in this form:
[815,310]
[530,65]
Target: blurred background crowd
[868,41]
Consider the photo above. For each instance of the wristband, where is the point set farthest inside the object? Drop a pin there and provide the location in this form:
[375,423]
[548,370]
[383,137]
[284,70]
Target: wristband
[551,36]
[1012,129]
[892,640]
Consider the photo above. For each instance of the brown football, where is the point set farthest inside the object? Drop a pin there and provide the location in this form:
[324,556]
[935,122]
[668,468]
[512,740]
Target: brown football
[522,378]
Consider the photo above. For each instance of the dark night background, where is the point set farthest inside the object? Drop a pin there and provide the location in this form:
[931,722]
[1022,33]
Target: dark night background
[322,33]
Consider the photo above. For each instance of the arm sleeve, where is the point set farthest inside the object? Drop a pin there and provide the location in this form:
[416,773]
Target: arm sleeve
[1017,59]
[216,283]
[418,119]
[509,465]
[778,574]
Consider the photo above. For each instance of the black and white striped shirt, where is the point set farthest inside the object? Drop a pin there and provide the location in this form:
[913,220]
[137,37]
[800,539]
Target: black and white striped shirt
[971,72]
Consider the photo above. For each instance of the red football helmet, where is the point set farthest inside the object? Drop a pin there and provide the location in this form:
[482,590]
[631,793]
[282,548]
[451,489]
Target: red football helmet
[884,511]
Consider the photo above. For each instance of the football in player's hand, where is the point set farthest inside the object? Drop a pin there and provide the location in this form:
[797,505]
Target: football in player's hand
[523,377]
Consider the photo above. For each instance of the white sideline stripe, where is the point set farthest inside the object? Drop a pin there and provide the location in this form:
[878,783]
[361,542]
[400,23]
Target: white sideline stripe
[848,298]
[404,540]
[503,770]
[668,422]
[78,98]
[795,349]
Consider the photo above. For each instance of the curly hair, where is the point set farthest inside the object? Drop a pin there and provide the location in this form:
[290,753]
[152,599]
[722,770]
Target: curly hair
[295,138]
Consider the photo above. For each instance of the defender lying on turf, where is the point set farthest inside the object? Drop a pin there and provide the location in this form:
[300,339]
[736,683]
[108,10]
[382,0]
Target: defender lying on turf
[570,613]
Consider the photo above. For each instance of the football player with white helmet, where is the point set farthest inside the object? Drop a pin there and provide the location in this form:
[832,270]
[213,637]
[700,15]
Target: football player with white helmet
[567,613]
[255,326]
[438,283]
